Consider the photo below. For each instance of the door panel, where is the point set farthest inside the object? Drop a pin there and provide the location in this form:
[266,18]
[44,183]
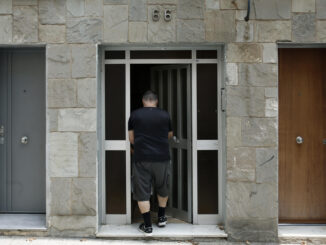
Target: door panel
[302,112]
[25,162]
[174,80]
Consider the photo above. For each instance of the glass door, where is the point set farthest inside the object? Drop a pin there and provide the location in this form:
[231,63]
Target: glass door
[172,83]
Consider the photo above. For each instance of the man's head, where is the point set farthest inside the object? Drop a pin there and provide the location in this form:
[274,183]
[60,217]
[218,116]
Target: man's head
[150,99]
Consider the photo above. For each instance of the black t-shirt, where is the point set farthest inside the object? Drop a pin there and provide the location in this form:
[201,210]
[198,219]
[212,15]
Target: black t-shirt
[151,126]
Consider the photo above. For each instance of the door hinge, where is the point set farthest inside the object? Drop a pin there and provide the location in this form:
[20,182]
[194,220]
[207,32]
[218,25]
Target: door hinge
[223,99]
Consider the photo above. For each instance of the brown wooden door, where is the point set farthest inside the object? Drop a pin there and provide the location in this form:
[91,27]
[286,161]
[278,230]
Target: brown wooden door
[302,112]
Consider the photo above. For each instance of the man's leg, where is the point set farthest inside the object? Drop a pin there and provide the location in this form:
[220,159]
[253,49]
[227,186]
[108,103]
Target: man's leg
[144,206]
[161,205]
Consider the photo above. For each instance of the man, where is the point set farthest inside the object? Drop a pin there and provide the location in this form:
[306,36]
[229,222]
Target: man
[149,131]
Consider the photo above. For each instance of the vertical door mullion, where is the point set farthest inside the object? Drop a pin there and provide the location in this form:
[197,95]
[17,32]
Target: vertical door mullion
[189,143]
[103,139]
[171,151]
[128,164]
[9,145]
[160,90]
[179,148]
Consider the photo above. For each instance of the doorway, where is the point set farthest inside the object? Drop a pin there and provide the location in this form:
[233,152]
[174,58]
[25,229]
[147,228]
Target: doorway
[188,83]
[302,135]
[22,130]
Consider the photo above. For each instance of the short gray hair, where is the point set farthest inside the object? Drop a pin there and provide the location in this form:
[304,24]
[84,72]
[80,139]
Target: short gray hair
[150,96]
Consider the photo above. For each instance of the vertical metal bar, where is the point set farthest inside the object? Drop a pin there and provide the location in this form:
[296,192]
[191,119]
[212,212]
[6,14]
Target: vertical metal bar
[189,143]
[179,148]
[194,137]
[103,218]
[9,118]
[170,112]
[160,90]
[128,164]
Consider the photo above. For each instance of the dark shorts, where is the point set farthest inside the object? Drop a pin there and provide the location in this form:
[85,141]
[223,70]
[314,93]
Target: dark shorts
[144,174]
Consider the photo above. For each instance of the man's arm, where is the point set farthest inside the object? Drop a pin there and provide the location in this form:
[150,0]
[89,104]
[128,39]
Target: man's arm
[131,136]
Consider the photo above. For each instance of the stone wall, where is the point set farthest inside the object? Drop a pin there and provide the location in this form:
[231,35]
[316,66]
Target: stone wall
[71,28]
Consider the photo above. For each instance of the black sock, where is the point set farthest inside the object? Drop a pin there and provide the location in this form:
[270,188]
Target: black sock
[147,219]
[161,212]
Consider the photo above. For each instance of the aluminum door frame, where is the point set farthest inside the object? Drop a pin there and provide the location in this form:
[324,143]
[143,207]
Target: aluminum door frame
[196,144]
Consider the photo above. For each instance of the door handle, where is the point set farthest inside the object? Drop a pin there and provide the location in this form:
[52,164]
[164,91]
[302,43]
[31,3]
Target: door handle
[324,141]
[299,140]
[175,139]
[24,140]
[2,135]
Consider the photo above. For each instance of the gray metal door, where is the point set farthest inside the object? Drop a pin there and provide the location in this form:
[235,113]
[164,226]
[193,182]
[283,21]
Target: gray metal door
[172,83]
[22,119]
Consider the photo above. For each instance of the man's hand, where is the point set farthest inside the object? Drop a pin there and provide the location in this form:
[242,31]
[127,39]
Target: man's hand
[170,135]
[131,136]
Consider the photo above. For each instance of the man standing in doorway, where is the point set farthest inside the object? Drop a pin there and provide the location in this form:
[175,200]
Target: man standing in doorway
[149,131]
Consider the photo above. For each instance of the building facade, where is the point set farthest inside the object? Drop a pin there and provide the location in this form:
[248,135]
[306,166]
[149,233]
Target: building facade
[82,42]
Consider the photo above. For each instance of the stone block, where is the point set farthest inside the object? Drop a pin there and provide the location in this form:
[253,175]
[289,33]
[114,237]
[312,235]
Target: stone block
[52,33]
[83,60]
[62,93]
[58,61]
[73,226]
[266,165]
[63,154]
[86,92]
[161,1]
[231,74]
[244,52]
[190,31]
[6,28]
[321,9]
[77,119]
[220,26]
[84,30]
[258,74]
[212,4]
[116,2]
[245,31]
[116,23]
[271,92]
[252,230]
[321,31]
[233,131]
[25,24]
[83,198]
[52,119]
[272,9]
[270,53]
[87,154]
[304,27]
[94,8]
[75,8]
[303,6]
[245,101]
[259,132]
[193,9]
[137,32]
[271,107]
[52,11]
[161,31]
[241,158]
[272,31]
[24,2]
[138,10]
[246,175]
[252,201]
[6,7]
[60,196]
[234,4]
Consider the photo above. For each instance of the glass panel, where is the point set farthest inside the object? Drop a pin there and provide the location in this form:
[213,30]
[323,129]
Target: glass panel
[115,102]
[206,54]
[174,81]
[184,102]
[207,101]
[175,178]
[207,182]
[165,90]
[115,172]
[184,180]
[158,54]
[113,55]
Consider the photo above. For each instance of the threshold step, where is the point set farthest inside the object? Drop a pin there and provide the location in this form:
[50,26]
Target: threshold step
[171,231]
[26,222]
[302,231]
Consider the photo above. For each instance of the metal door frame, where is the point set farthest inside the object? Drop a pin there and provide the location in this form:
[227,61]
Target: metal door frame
[124,145]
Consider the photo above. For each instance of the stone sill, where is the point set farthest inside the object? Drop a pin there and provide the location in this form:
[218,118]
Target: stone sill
[171,231]
[301,231]
[22,222]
